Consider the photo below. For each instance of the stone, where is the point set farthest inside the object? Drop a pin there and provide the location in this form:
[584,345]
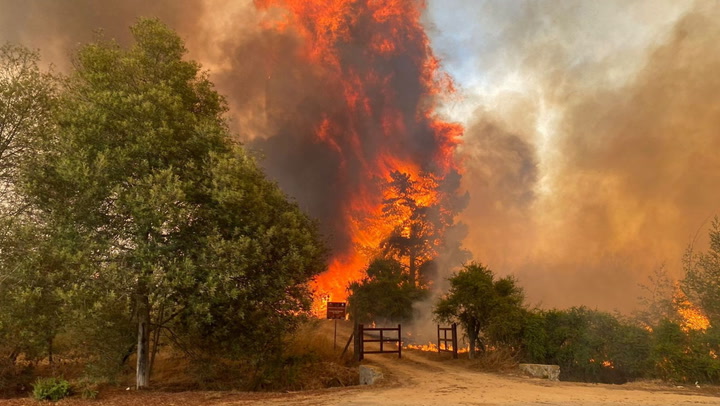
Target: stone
[369,375]
[550,372]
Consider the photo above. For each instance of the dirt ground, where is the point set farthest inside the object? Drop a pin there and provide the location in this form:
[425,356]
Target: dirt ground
[424,379]
[417,380]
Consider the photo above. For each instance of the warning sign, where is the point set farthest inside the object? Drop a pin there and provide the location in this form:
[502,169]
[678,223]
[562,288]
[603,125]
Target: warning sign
[336,310]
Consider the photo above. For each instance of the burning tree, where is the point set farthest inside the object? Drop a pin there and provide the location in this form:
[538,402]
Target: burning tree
[370,85]
[409,205]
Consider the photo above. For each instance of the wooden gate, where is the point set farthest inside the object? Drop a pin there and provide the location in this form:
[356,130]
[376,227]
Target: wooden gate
[443,341]
[360,340]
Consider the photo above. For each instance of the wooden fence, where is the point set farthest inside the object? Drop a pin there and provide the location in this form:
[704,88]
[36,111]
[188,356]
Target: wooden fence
[360,340]
[446,344]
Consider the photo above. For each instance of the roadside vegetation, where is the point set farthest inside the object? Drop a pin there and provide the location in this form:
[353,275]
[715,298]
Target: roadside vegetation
[134,227]
[675,338]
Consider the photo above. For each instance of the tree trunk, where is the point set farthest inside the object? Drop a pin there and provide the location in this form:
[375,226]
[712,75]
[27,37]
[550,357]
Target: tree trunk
[156,339]
[472,339]
[412,254]
[142,377]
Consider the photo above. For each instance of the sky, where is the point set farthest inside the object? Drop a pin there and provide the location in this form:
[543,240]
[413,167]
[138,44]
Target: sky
[591,126]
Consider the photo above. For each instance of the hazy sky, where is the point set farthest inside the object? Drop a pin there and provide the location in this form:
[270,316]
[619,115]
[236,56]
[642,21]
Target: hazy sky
[592,126]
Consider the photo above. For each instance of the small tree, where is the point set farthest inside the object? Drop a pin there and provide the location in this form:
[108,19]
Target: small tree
[385,293]
[476,300]
[702,275]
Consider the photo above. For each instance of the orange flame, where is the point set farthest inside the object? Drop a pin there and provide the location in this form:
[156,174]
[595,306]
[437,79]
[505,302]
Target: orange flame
[691,317]
[377,53]
[432,347]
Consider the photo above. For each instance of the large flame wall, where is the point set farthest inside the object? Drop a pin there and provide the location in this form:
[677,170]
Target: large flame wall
[378,83]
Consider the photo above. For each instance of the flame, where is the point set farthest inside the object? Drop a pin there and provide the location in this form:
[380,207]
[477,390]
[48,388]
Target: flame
[432,347]
[691,317]
[377,54]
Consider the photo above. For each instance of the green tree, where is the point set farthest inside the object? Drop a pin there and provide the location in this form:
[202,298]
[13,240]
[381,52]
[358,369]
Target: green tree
[173,221]
[26,99]
[479,302]
[386,293]
[589,345]
[30,304]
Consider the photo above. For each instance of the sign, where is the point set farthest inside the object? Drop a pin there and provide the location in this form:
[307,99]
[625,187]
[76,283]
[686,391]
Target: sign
[336,310]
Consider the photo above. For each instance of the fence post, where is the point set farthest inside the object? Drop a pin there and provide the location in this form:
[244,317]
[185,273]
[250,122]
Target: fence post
[358,342]
[381,340]
[399,342]
[454,340]
[438,331]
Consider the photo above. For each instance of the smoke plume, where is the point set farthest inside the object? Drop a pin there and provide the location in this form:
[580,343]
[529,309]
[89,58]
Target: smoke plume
[591,161]
[589,154]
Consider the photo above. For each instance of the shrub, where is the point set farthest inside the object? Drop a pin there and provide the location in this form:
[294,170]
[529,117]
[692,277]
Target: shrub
[52,389]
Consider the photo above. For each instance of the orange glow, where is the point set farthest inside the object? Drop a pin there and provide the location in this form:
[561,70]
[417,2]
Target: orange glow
[691,317]
[432,347]
[377,53]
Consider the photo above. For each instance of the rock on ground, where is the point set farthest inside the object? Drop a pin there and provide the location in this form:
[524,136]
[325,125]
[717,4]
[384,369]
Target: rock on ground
[369,375]
[551,372]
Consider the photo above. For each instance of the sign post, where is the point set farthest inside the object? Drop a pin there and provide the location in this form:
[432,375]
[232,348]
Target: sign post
[336,311]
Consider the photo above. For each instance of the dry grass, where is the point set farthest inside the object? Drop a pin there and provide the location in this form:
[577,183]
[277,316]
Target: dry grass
[501,360]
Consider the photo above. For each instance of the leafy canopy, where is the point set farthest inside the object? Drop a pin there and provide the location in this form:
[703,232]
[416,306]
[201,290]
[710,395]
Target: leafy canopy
[480,304]
[165,217]
[386,293]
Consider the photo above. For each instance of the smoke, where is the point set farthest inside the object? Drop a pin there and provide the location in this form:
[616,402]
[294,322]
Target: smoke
[335,97]
[592,160]
[592,127]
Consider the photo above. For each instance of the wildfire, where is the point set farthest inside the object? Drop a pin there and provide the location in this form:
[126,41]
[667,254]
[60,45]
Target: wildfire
[692,318]
[432,347]
[376,56]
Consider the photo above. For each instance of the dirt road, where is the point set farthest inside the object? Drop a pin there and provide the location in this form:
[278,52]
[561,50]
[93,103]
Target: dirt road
[416,380]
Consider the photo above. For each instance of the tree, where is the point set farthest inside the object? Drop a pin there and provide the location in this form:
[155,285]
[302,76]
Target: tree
[588,345]
[29,320]
[476,299]
[702,275]
[173,221]
[26,99]
[413,236]
[385,293]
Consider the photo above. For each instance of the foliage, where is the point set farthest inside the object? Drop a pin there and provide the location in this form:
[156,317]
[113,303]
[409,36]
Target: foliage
[30,318]
[386,293]
[488,309]
[589,345]
[27,96]
[657,302]
[681,356]
[52,389]
[163,220]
